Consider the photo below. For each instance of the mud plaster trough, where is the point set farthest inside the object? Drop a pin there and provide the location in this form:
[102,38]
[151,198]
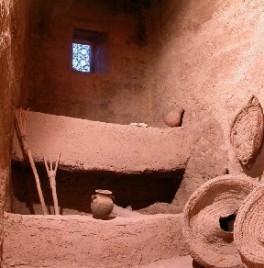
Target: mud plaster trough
[82,241]
[77,241]
[97,146]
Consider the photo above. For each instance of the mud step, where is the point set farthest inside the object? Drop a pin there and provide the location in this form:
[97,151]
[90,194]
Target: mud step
[82,241]
[97,146]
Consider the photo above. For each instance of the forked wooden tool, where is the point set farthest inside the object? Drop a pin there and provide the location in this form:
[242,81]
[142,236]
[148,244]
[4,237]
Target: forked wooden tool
[52,180]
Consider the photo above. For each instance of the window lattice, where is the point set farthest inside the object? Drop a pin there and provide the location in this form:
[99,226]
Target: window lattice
[81,57]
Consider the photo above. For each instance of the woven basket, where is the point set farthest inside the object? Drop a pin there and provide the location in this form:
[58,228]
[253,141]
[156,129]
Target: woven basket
[249,229]
[220,197]
[246,133]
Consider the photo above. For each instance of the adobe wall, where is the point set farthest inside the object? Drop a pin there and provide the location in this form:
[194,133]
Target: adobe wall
[118,96]
[203,55]
[209,60]
[77,241]
[12,34]
[96,146]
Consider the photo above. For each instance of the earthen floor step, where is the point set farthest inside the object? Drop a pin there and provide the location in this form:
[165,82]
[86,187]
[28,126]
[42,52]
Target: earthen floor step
[82,241]
[98,146]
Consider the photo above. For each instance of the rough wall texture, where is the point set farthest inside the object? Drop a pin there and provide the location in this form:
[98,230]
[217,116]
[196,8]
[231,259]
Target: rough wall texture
[209,59]
[205,56]
[195,51]
[97,146]
[118,96]
[77,241]
[12,33]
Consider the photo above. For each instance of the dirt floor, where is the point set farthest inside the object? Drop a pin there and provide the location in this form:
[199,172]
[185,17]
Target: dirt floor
[177,262]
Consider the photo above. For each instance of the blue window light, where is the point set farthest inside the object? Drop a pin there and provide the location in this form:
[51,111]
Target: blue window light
[81,57]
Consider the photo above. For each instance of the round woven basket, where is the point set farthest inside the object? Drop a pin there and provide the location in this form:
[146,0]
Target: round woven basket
[220,198]
[249,229]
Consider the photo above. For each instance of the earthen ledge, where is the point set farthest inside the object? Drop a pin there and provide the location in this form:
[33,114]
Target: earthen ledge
[82,241]
[97,146]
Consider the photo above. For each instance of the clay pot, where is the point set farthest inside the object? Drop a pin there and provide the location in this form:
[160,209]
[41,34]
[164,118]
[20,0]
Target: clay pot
[174,117]
[102,204]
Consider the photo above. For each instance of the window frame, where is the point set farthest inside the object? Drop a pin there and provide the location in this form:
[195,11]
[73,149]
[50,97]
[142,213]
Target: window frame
[99,59]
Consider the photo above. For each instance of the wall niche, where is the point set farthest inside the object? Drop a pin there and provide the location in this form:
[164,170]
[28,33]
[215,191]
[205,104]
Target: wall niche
[74,189]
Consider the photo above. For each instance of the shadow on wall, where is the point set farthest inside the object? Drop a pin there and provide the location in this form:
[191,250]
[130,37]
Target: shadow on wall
[196,265]
[75,188]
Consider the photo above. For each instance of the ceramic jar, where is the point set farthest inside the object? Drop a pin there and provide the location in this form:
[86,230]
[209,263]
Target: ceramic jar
[102,204]
[174,117]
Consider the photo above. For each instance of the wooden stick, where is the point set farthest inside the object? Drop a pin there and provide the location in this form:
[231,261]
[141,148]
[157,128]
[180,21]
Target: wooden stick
[52,180]
[21,129]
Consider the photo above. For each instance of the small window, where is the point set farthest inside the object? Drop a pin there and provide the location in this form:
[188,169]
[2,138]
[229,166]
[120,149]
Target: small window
[81,57]
[90,51]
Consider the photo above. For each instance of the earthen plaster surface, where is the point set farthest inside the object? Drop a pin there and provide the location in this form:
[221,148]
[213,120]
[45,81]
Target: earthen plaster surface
[207,57]
[120,95]
[13,27]
[210,60]
[77,241]
[90,145]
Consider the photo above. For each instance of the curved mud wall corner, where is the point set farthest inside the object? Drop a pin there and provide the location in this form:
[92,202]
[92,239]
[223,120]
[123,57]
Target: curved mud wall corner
[209,59]
[12,40]
[205,56]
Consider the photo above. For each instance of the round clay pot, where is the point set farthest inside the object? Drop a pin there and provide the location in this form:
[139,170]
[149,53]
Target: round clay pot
[102,204]
[174,117]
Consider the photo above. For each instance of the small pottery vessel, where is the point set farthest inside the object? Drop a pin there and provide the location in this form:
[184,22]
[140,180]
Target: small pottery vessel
[174,117]
[102,204]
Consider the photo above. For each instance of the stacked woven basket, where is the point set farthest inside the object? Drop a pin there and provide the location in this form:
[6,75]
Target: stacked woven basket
[224,218]
[210,244]
[249,229]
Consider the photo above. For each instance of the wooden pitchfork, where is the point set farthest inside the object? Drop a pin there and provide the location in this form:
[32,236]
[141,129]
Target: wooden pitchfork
[52,175]
[21,120]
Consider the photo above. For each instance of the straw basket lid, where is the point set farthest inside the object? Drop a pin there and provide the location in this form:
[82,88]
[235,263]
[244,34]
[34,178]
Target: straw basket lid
[220,197]
[249,229]
[246,133]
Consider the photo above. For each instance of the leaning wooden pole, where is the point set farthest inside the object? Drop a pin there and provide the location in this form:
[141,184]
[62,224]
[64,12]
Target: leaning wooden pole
[21,130]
